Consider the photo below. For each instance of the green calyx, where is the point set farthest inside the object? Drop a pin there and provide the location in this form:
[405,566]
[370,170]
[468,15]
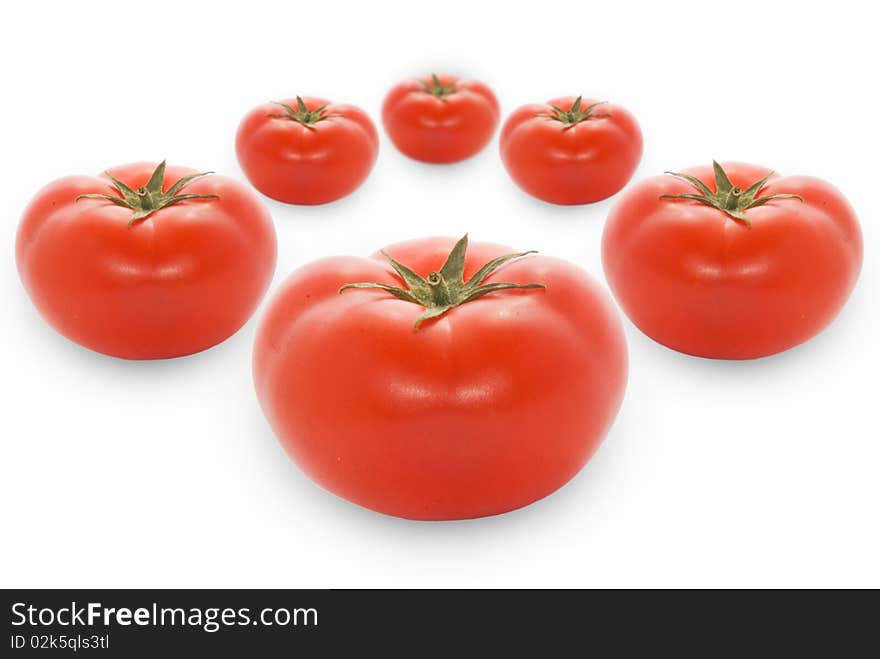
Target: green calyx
[444,290]
[576,114]
[438,89]
[302,115]
[728,198]
[149,198]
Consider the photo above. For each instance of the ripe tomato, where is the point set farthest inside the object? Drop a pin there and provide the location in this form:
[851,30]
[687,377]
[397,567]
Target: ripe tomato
[571,150]
[732,261]
[447,394]
[440,118]
[144,263]
[306,150]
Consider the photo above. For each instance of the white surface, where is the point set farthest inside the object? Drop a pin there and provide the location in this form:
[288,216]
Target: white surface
[116,473]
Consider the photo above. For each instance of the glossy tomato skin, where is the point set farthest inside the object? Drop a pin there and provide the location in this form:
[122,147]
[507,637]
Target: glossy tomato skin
[486,409]
[180,281]
[697,281]
[308,165]
[440,130]
[580,164]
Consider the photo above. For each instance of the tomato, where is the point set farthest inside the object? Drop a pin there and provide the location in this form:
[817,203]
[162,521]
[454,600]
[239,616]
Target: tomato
[306,150]
[440,119]
[433,387]
[571,150]
[144,262]
[732,261]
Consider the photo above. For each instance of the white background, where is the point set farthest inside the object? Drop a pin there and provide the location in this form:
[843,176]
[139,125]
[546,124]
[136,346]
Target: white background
[116,473]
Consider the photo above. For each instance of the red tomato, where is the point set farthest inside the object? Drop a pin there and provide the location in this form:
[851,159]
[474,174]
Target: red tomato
[306,150]
[440,119]
[732,262]
[571,150]
[444,396]
[144,263]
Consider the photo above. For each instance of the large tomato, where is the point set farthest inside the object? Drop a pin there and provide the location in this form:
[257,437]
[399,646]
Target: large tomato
[732,261]
[571,150]
[144,263]
[428,387]
[306,150]
[440,119]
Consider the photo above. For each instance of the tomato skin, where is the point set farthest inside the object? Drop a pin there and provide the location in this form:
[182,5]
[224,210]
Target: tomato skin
[296,164]
[486,409]
[704,284]
[430,129]
[581,164]
[182,280]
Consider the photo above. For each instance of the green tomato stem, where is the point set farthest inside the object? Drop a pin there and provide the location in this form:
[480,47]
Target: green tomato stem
[445,289]
[149,198]
[728,198]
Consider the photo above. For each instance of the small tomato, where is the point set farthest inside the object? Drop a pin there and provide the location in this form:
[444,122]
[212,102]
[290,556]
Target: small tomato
[440,119]
[571,150]
[306,150]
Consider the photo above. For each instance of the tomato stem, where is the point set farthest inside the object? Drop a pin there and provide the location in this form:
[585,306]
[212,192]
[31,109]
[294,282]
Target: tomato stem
[575,114]
[149,198]
[302,115]
[438,89]
[727,197]
[445,289]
